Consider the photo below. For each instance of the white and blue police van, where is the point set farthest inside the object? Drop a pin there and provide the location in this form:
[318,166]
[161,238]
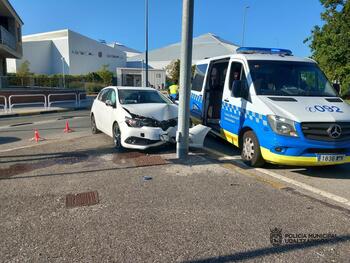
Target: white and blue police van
[276,107]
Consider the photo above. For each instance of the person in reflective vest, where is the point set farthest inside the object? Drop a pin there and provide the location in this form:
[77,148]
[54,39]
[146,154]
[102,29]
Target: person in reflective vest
[174,91]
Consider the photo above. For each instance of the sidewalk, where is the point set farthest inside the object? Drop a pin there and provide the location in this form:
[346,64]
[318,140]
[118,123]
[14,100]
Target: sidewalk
[28,111]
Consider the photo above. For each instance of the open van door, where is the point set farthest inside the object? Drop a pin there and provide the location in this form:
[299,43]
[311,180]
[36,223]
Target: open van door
[197,93]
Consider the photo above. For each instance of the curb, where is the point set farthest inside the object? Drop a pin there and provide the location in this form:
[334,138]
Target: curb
[21,114]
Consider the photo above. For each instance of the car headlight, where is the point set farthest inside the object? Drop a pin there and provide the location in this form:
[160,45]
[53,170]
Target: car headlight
[138,122]
[282,125]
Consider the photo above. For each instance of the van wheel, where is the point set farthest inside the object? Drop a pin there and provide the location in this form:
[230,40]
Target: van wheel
[94,129]
[117,137]
[251,153]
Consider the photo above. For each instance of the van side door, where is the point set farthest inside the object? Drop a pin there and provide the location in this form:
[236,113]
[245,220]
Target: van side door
[197,93]
[233,108]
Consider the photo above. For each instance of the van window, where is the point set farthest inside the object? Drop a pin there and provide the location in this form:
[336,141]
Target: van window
[237,73]
[198,78]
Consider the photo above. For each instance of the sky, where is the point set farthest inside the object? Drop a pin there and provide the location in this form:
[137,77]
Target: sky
[269,23]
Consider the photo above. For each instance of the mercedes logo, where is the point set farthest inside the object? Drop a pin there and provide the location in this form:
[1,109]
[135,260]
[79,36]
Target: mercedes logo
[334,131]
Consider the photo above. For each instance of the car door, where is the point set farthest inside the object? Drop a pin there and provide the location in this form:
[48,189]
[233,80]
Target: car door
[104,111]
[99,105]
[233,108]
[110,111]
[197,90]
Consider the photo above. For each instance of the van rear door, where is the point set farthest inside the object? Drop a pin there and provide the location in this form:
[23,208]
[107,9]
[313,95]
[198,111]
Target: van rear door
[197,92]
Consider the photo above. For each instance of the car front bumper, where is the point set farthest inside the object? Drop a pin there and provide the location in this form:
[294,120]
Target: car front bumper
[146,137]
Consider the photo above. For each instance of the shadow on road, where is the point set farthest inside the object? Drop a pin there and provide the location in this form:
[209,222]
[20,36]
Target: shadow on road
[258,253]
[4,140]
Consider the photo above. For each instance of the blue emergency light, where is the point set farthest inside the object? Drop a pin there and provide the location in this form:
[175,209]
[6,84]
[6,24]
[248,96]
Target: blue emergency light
[261,50]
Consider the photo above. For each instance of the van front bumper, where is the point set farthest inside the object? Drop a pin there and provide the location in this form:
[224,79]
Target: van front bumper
[299,151]
[302,160]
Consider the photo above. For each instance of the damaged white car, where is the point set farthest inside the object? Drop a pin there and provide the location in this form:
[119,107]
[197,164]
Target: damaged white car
[138,118]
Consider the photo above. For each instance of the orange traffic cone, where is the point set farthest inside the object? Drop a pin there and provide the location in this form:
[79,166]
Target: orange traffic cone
[36,137]
[67,128]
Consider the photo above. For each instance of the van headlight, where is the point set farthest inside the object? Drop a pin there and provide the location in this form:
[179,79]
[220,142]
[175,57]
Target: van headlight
[282,125]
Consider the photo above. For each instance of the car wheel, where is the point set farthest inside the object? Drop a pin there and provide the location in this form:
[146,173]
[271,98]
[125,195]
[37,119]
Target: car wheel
[117,137]
[251,153]
[94,129]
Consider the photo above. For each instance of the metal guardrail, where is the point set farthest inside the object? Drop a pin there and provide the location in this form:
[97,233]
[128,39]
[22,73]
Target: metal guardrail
[26,103]
[4,106]
[6,38]
[79,97]
[62,101]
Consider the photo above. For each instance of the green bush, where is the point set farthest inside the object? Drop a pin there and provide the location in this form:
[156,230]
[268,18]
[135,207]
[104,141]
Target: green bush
[93,87]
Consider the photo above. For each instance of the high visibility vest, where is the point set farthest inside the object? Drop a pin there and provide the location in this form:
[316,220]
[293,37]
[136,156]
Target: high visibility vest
[173,89]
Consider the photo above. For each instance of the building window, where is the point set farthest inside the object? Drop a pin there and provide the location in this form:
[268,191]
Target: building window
[100,54]
[158,75]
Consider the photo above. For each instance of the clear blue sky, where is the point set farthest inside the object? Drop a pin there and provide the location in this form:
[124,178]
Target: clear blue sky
[269,23]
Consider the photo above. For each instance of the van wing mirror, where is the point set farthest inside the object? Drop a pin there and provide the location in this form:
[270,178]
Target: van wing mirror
[240,89]
[336,86]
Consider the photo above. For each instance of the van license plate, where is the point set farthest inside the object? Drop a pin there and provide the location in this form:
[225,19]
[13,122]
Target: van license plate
[330,157]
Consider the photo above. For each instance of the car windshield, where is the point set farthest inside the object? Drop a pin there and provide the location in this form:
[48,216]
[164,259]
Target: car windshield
[129,96]
[286,78]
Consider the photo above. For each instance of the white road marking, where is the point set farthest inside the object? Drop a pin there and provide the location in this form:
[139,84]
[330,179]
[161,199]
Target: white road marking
[307,187]
[304,186]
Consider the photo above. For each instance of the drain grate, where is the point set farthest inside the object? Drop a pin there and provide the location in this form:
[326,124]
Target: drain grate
[147,160]
[82,199]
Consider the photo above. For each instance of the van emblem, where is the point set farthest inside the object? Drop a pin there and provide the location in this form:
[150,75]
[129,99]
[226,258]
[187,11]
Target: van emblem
[334,131]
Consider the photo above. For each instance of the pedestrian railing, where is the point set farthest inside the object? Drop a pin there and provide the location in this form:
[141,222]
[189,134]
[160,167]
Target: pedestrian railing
[11,105]
[62,101]
[4,105]
[79,97]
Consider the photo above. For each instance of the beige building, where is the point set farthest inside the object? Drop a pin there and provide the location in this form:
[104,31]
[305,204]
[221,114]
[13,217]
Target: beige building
[10,37]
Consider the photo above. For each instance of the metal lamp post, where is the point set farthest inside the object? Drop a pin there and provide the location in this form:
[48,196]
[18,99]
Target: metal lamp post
[244,18]
[182,136]
[146,40]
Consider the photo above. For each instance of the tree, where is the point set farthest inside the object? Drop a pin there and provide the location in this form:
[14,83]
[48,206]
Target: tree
[330,43]
[105,75]
[23,69]
[173,71]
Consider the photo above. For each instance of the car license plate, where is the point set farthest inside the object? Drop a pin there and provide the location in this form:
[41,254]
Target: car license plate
[330,157]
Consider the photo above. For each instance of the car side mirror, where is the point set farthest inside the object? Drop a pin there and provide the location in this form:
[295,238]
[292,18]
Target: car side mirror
[110,103]
[240,89]
[336,86]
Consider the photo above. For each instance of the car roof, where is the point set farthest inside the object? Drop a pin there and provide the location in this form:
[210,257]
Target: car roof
[257,56]
[131,88]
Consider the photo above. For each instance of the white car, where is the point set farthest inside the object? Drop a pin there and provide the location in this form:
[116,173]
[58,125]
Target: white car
[136,117]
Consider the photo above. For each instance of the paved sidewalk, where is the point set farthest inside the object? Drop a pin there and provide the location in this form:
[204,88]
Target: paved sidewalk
[200,210]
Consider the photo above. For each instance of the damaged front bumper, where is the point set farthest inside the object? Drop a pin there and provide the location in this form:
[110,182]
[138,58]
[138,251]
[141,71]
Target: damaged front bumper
[146,137]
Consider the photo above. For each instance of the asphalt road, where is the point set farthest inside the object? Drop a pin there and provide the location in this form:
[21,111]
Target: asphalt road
[210,208]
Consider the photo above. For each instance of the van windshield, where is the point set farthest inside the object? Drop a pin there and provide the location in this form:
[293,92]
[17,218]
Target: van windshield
[287,78]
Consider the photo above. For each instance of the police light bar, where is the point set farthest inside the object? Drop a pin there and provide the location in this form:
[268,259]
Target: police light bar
[261,50]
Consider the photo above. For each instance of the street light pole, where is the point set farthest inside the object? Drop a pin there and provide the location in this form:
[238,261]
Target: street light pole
[244,17]
[146,40]
[182,136]
[63,75]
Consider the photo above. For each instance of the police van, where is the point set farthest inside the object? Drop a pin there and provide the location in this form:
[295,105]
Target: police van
[276,107]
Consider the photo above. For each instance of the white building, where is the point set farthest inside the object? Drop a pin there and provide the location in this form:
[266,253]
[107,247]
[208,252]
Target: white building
[136,77]
[68,51]
[130,52]
[204,46]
